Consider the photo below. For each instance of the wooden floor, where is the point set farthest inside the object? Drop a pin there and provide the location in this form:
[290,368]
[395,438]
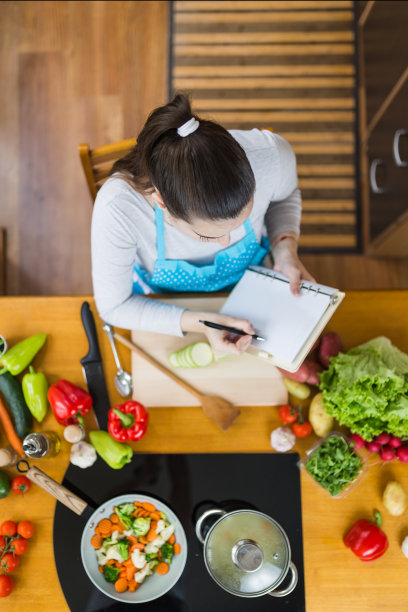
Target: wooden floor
[76,72]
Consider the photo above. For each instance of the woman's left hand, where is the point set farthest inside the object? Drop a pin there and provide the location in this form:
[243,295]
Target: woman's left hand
[286,261]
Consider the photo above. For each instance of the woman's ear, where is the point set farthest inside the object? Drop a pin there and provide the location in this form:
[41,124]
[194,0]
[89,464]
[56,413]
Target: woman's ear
[158,199]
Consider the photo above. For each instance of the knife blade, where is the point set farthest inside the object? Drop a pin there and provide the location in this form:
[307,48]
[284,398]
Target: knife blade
[93,371]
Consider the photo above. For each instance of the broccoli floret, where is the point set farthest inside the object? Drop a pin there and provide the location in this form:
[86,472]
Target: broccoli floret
[141,526]
[123,548]
[151,556]
[110,573]
[167,551]
[125,519]
[153,564]
[127,509]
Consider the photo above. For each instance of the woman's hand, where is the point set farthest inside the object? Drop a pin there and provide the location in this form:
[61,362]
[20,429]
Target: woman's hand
[286,261]
[222,342]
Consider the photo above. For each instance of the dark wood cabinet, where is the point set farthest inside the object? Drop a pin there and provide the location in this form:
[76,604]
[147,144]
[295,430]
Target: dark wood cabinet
[383,36]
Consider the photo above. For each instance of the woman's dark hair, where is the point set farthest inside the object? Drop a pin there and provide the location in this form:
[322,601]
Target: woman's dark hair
[205,174]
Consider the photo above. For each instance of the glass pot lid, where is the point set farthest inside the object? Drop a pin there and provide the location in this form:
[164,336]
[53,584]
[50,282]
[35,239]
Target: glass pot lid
[247,553]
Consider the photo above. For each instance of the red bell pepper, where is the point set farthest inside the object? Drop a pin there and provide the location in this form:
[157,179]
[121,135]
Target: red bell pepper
[68,402]
[128,421]
[366,539]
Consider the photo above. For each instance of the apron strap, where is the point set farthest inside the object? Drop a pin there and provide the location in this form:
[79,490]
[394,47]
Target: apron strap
[160,247]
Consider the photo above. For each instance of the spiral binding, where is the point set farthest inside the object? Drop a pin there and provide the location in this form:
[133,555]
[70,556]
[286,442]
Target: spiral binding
[310,288]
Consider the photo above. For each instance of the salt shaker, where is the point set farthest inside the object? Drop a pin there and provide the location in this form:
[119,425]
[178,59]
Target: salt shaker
[46,443]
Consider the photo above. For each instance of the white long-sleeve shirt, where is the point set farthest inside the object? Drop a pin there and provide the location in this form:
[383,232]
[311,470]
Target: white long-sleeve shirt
[124,233]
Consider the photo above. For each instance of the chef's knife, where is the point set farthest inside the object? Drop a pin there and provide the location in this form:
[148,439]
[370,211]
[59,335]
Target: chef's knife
[92,369]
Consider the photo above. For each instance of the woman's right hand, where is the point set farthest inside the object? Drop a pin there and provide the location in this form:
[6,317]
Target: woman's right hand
[222,342]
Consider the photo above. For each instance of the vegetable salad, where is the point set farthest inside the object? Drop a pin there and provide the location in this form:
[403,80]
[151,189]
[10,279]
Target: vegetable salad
[135,542]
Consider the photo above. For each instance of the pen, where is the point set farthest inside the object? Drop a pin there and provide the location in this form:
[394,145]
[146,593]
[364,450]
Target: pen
[233,330]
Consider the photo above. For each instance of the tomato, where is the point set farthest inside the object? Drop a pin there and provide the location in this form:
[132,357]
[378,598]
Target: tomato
[302,430]
[9,563]
[25,529]
[6,585]
[3,543]
[8,528]
[20,485]
[20,545]
[288,414]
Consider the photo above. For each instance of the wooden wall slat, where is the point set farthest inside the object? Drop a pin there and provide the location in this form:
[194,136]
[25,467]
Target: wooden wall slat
[264,83]
[270,116]
[243,38]
[203,104]
[273,50]
[264,71]
[266,17]
[255,5]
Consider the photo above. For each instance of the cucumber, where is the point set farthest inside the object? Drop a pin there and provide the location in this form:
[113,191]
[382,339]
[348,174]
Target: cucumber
[4,485]
[13,394]
[197,355]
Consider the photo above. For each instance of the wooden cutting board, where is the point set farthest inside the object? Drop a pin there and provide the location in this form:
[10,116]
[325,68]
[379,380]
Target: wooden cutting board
[245,380]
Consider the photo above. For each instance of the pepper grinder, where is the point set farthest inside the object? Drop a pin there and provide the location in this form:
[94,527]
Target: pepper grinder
[46,443]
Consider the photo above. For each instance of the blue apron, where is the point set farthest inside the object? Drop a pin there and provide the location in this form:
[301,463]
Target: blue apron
[175,275]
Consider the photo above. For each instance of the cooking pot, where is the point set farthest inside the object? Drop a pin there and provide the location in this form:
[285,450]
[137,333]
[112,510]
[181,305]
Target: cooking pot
[247,553]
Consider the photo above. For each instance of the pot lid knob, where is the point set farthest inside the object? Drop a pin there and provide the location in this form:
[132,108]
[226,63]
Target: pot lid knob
[247,555]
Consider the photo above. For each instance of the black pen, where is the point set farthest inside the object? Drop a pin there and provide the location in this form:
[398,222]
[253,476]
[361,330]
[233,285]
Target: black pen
[233,330]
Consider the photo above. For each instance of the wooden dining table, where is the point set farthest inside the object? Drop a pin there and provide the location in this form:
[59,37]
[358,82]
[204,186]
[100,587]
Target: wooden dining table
[335,579]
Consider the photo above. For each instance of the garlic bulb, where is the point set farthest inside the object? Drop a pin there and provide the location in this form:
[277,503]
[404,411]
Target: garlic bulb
[282,439]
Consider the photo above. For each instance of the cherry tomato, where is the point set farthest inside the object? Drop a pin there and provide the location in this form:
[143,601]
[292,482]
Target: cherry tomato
[6,585]
[20,545]
[8,528]
[288,414]
[302,430]
[3,543]
[25,529]
[9,563]
[20,485]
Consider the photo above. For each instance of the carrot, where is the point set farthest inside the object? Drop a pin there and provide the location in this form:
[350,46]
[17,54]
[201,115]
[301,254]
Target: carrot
[133,585]
[143,539]
[100,567]
[151,535]
[114,518]
[148,506]
[9,429]
[130,572]
[105,524]
[177,548]
[172,539]
[155,516]
[96,540]
[121,585]
[162,568]
[133,539]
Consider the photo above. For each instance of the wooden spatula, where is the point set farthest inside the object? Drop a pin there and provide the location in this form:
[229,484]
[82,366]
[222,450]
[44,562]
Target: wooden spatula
[219,410]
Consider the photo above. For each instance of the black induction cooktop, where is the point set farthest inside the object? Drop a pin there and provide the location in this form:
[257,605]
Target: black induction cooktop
[189,484]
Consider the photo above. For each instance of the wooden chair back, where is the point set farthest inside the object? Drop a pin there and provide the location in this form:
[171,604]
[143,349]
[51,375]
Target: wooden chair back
[98,162]
[2,261]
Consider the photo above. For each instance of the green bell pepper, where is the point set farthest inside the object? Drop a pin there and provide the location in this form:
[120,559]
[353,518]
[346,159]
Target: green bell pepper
[116,454]
[35,389]
[19,356]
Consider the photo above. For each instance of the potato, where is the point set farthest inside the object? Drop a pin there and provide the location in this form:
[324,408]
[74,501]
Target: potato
[297,389]
[318,417]
[394,498]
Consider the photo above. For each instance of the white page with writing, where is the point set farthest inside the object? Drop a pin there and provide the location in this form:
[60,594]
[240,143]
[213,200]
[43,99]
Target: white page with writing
[284,320]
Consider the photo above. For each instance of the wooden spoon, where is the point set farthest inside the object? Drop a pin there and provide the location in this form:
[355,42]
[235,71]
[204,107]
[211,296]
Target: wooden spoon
[219,410]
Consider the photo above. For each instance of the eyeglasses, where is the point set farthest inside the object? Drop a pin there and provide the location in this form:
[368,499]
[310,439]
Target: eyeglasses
[3,345]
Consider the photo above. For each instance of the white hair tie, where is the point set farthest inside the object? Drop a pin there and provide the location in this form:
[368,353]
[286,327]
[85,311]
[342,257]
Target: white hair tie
[188,127]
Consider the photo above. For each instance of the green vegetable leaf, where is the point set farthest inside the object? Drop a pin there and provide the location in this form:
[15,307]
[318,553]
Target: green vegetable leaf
[123,548]
[110,573]
[366,389]
[124,518]
[334,465]
[141,526]
[127,509]
[167,551]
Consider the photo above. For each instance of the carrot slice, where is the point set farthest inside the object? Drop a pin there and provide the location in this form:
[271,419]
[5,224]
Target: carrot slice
[96,540]
[114,518]
[155,516]
[172,539]
[151,535]
[162,568]
[177,548]
[121,585]
[148,506]
[105,524]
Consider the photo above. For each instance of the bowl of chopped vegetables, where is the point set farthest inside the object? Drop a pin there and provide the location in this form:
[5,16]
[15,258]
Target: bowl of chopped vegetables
[134,548]
[334,465]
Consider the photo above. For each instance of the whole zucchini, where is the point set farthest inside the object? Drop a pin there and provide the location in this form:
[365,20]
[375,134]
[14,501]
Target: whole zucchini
[4,485]
[13,394]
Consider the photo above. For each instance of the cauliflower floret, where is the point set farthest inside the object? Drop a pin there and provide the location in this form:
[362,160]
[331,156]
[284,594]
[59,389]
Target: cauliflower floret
[151,548]
[104,555]
[160,526]
[167,532]
[138,559]
[141,574]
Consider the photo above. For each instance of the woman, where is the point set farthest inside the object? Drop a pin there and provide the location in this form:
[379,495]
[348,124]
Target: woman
[186,210]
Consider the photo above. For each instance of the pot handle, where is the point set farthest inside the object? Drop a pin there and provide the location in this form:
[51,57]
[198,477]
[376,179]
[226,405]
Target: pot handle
[202,518]
[290,587]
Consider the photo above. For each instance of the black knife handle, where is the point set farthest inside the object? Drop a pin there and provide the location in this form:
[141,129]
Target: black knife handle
[90,330]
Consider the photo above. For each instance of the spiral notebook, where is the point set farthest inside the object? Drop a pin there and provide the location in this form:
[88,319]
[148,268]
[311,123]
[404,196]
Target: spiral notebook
[290,324]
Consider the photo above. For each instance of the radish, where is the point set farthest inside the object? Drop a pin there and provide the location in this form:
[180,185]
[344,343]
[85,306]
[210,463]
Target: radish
[357,441]
[314,369]
[195,355]
[387,453]
[373,446]
[301,375]
[383,438]
[395,442]
[330,346]
[402,454]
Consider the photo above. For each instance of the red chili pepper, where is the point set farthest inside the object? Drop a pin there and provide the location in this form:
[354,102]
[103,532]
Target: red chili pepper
[128,421]
[68,402]
[366,539]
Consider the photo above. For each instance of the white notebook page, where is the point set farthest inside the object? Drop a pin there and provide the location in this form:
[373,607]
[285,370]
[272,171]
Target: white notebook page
[284,320]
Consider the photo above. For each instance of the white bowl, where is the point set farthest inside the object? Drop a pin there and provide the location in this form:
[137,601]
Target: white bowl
[154,586]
